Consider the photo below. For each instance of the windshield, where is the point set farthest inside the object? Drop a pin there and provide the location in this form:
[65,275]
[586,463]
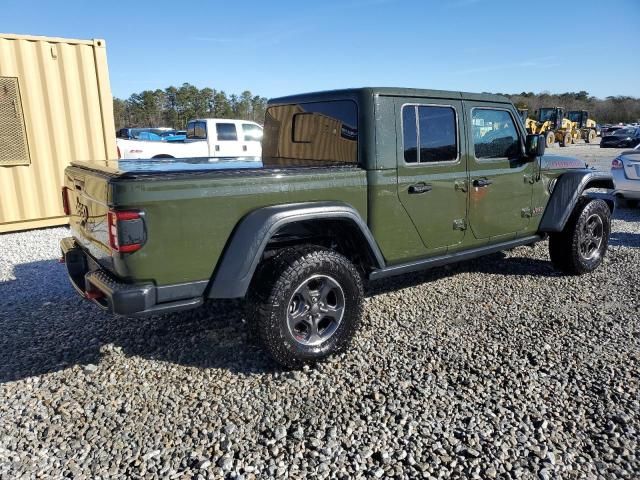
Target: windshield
[547,114]
[575,116]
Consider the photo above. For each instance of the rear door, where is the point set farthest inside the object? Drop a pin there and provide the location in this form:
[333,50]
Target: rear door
[501,177]
[227,140]
[432,169]
[251,139]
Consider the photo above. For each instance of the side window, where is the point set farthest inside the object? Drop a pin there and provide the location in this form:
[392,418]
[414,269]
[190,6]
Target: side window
[308,134]
[434,129]
[251,132]
[226,132]
[494,134]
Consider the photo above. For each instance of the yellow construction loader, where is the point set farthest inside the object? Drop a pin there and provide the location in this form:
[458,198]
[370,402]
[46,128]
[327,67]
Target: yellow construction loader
[557,127]
[585,126]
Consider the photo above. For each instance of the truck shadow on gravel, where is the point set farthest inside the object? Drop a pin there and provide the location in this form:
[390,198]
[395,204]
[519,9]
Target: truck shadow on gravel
[47,327]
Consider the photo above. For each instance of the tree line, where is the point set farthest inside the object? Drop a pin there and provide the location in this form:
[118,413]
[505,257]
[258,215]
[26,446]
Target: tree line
[613,109]
[175,106]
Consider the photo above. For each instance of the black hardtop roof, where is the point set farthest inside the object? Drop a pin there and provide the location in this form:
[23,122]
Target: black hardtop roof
[355,93]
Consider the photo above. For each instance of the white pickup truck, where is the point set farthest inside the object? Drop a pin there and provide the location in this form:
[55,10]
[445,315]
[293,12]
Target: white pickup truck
[209,137]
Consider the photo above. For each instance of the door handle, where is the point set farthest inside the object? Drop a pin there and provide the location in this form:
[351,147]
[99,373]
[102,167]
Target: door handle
[420,188]
[482,182]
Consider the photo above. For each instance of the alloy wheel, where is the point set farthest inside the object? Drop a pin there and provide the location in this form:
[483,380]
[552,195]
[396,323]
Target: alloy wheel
[591,237]
[315,310]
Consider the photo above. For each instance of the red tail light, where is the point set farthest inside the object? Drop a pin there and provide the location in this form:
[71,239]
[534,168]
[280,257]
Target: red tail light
[65,201]
[617,164]
[126,230]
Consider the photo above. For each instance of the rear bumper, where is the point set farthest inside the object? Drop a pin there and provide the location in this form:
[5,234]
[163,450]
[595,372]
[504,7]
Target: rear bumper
[95,284]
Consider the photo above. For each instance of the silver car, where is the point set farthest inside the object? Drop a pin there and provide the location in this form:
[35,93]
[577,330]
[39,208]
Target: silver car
[625,169]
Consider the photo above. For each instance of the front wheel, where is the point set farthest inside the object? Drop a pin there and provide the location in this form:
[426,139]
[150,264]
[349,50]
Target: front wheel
[582,245]
[306,304]
[550,139]
[591,136]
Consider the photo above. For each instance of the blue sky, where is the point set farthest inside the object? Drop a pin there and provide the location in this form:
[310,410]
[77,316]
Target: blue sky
[276,48]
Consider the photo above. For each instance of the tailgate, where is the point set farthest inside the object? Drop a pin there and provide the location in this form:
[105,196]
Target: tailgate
[88,197]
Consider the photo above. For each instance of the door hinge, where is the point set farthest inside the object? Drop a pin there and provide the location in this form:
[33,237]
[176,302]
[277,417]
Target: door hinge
[529,179]
[526,212]
[460,185]
[459,224]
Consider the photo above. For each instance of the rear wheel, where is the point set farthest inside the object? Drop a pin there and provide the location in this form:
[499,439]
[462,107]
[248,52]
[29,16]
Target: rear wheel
[306,304]
[550,138]
[582,245]
[566,139]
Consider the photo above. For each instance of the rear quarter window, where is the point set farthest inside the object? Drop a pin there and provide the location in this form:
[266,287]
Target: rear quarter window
[314,133]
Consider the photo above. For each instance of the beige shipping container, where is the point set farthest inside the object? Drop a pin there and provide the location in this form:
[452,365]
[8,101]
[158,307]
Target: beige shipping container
[55,107]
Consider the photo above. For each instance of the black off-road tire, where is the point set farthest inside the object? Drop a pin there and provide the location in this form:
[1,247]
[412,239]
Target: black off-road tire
[591,136]
[274,285]
[565,247]
[566,140]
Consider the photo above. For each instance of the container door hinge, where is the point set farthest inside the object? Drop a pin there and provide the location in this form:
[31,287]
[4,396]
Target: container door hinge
[526,212]
[530,179]
[460,185]
[459,224]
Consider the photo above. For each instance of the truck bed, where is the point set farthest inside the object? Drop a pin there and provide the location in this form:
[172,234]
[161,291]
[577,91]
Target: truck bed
[190,208]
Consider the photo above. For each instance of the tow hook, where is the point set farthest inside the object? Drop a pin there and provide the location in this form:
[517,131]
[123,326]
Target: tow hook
[94,294]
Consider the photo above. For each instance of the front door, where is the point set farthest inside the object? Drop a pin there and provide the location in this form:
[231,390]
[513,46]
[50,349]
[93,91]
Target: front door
[501,177]
[432,169]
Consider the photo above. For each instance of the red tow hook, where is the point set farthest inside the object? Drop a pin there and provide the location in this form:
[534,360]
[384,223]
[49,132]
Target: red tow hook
[94,294]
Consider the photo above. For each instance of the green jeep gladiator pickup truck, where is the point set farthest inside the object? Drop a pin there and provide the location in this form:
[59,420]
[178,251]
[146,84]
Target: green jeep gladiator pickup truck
[353,186]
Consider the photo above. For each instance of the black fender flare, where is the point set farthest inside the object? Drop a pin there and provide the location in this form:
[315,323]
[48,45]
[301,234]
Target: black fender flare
[570,186]
[252,234]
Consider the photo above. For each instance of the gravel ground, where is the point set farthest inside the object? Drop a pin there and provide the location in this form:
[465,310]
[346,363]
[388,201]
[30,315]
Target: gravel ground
[495,368]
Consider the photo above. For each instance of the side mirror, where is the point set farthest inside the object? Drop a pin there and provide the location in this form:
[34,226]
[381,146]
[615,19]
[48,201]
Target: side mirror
[535,146]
